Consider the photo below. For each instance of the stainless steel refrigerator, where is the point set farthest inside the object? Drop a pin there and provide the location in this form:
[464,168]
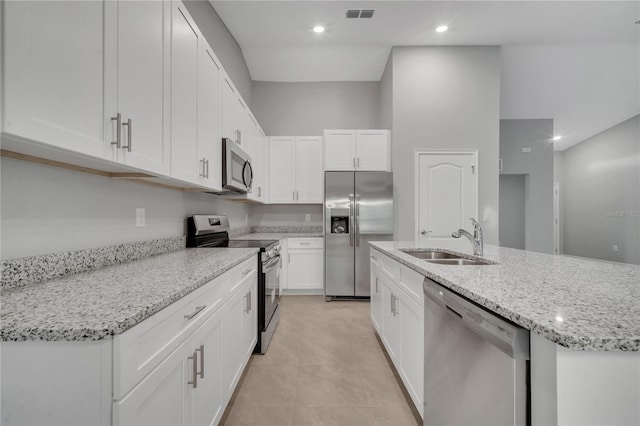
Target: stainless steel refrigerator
[358,208]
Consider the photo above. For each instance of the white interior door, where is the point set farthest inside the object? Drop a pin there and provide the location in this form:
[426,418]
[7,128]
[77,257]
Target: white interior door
[446,193]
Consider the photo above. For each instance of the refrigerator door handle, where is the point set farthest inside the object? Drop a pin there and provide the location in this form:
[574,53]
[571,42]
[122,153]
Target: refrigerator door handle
[356,219]
[351,220]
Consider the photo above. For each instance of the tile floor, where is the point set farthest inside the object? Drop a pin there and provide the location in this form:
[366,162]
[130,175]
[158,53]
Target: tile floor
[324,366]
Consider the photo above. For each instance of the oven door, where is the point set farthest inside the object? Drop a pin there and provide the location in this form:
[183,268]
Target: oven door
[271,274]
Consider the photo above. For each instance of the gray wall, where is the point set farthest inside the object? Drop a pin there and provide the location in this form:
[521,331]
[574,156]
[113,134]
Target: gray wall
[601,195]
[308,108]
[222,42]
[48,210]
[538,166]
[445,98]
[512,211]
[386,96]
[558,176]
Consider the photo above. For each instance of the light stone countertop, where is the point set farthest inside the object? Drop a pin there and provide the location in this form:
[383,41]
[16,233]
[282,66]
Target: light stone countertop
[108,301]
[577,303]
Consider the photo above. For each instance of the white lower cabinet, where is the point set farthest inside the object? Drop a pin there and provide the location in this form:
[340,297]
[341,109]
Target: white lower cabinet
[305,269]
[178,391]
[177,367]
[397,313]
[376,295]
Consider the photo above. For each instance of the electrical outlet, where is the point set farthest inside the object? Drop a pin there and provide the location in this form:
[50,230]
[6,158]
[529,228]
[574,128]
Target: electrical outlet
[140,216]
[526,149]
[307,218]
[615,247]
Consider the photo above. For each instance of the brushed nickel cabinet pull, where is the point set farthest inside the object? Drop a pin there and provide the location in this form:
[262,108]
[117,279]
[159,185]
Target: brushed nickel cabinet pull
[358,162]
[201,350]
[196,312]
[118,120]
[194,358]
[203,173]
[129,127]
[207,163]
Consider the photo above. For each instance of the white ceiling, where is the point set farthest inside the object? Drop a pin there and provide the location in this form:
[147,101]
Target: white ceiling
[279,45]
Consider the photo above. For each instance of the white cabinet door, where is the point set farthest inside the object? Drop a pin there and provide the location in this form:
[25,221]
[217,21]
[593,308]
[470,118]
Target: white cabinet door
[305,269]
[209,139]
[254,144]
[232,349]
[263,172]
[373,150]
[229,108]
[185,38]
[281,169]
[339,149]
[159,398]
[142,83]
[391,327]
[250,320]
[54,62]
[284,265]
[412,348]
[308,169]
[376,297]
[205,402]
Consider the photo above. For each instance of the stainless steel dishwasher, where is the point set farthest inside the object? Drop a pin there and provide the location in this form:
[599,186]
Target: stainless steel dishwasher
[476,364]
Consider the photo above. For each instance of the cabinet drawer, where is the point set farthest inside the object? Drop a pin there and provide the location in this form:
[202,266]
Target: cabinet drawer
[235,278]
[302,243]
[140,349]
[391,268]
[376,258]
[411,282]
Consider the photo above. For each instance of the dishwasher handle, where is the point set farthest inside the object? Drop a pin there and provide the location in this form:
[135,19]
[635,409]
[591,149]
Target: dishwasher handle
[509,338]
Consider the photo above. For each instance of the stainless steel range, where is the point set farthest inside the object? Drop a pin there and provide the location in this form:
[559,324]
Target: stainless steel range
[212,231]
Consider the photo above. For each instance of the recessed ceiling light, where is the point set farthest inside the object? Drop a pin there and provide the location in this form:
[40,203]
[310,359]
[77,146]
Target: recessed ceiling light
[318,29]
[557,138]
[442,28]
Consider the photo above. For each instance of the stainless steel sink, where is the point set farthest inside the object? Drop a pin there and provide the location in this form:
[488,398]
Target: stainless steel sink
[446,258]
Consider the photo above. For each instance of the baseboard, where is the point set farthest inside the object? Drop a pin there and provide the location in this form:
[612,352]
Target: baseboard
[303,292]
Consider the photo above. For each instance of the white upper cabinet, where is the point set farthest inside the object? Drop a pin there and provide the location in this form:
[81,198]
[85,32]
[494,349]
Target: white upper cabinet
[281,169]
[54,73]
[254,143]
[229,111]
[339,149]
[136,84]
[209,139]
[295,170]
[365,150]
[185,40]
[309,169]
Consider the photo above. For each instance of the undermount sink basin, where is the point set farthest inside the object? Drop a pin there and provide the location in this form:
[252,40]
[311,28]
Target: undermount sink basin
[446,258]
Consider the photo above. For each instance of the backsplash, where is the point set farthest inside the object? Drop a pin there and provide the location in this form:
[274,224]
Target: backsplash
[34,269]
[287,228]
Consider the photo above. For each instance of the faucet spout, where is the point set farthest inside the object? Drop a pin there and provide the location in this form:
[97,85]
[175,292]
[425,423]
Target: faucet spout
[475,239]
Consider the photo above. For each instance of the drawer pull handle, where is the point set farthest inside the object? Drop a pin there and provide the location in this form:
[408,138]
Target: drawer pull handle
[196,312]
[201,350]
[194,381]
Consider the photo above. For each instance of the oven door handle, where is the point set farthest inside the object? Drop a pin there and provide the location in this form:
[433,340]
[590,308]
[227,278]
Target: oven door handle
[271,264]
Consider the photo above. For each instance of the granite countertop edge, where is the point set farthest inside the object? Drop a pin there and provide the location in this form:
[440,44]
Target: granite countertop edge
[566,340]
[134,316]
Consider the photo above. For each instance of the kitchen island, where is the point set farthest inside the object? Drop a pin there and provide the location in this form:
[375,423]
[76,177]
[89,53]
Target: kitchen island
[584,319]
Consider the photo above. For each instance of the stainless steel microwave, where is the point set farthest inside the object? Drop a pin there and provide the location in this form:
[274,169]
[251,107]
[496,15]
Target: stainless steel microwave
[237,174]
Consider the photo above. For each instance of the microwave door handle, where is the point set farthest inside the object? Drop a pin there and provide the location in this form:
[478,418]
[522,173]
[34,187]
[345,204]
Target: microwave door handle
[244,176]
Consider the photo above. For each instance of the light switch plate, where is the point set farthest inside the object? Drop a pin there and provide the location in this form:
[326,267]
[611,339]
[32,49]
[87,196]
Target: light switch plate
[307,218]
[526,149]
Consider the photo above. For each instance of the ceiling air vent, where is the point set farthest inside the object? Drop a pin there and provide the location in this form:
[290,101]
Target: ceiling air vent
[367,13]
[353,13]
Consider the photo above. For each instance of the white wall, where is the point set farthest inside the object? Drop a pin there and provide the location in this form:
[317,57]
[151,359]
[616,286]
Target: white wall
[305,109]
[445,98]
[512,211]
[600,192]
[386,96]
[584,88]
[223,43]
[48,210]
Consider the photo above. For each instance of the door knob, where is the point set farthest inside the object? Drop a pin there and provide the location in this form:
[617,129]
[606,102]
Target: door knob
[425,232]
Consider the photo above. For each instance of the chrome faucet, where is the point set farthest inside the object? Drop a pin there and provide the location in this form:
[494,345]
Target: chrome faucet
[475,239]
